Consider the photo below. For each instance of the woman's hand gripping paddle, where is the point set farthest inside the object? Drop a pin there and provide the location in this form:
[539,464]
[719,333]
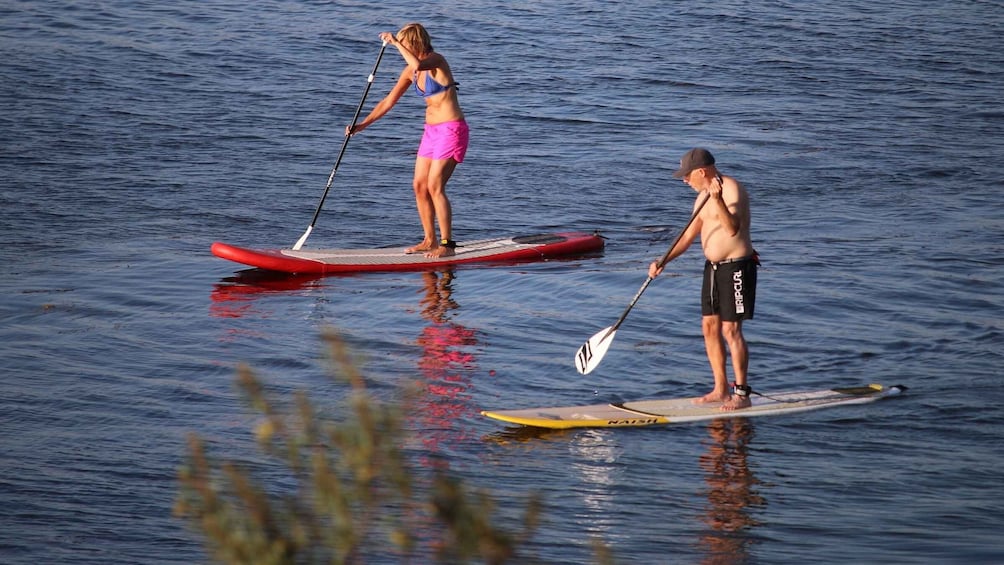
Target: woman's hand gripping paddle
[592,352]
[331,177]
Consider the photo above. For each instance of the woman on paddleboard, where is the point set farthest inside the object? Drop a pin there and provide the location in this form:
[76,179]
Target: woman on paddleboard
[445,140]
[729,288]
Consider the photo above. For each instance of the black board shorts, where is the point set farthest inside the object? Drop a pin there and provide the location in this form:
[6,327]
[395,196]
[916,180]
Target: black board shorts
[729,289]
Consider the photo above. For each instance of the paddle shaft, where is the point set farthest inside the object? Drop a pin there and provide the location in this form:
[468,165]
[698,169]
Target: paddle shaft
[661,264]
[341,153]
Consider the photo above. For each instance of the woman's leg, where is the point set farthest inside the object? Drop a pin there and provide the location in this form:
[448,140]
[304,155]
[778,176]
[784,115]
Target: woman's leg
[424,203]
[440,172]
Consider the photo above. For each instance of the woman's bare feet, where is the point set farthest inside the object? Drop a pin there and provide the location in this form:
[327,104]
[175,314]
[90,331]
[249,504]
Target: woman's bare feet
[425,245]
[440,251]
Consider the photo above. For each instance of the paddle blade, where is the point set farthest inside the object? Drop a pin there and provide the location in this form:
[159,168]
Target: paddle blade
[592,352]
[303,238]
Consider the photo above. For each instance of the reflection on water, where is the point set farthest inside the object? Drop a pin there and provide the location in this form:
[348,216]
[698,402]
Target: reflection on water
[234,297]
[524,434]
[446,362]
[446,365]
[731,492]
[596,454]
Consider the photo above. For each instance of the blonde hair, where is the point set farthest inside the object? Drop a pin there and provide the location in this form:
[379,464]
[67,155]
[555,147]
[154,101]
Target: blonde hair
[416,36]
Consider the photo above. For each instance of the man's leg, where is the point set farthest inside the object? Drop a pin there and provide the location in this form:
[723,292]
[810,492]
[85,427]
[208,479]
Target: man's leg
[738,350]
[714,344]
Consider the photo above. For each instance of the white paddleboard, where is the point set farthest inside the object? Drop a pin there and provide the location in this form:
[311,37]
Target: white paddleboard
[676,410]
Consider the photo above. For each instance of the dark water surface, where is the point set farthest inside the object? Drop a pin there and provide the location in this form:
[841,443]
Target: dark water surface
[870,136]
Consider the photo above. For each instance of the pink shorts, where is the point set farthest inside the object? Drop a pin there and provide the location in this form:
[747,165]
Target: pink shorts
[445,140]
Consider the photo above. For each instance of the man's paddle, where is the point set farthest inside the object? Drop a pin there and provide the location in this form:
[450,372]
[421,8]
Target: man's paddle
[331,177]
[592,352]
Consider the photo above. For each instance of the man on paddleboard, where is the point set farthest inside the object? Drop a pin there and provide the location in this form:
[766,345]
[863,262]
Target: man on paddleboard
[445,140]
[728,292]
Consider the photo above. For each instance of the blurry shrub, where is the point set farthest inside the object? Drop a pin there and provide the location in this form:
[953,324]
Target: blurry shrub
[347,493]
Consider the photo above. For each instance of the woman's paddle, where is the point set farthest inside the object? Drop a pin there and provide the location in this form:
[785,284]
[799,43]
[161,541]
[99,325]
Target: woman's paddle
[592,352]
[331,177]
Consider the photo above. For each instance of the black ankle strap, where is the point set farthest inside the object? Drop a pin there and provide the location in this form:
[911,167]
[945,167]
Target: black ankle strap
[742,390]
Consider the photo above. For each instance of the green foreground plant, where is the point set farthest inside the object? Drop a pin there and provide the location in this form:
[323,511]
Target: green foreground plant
[349,495]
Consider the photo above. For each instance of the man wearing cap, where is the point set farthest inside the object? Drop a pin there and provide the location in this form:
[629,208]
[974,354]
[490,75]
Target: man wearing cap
[728,292]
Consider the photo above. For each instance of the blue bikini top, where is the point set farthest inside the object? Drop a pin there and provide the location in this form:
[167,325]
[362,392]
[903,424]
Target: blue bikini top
[433,87]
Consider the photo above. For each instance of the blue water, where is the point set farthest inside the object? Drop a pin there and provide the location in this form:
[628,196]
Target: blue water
[870,136]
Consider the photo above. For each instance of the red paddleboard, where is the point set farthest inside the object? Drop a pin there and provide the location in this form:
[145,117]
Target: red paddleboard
[325,261]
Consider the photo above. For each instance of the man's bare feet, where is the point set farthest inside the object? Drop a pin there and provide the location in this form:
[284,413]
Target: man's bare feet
[737,402]
[441,251]
[713,396]
[425,245]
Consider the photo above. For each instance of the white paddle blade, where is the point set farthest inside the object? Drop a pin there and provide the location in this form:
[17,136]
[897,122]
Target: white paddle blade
[592,352]
[303,238]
